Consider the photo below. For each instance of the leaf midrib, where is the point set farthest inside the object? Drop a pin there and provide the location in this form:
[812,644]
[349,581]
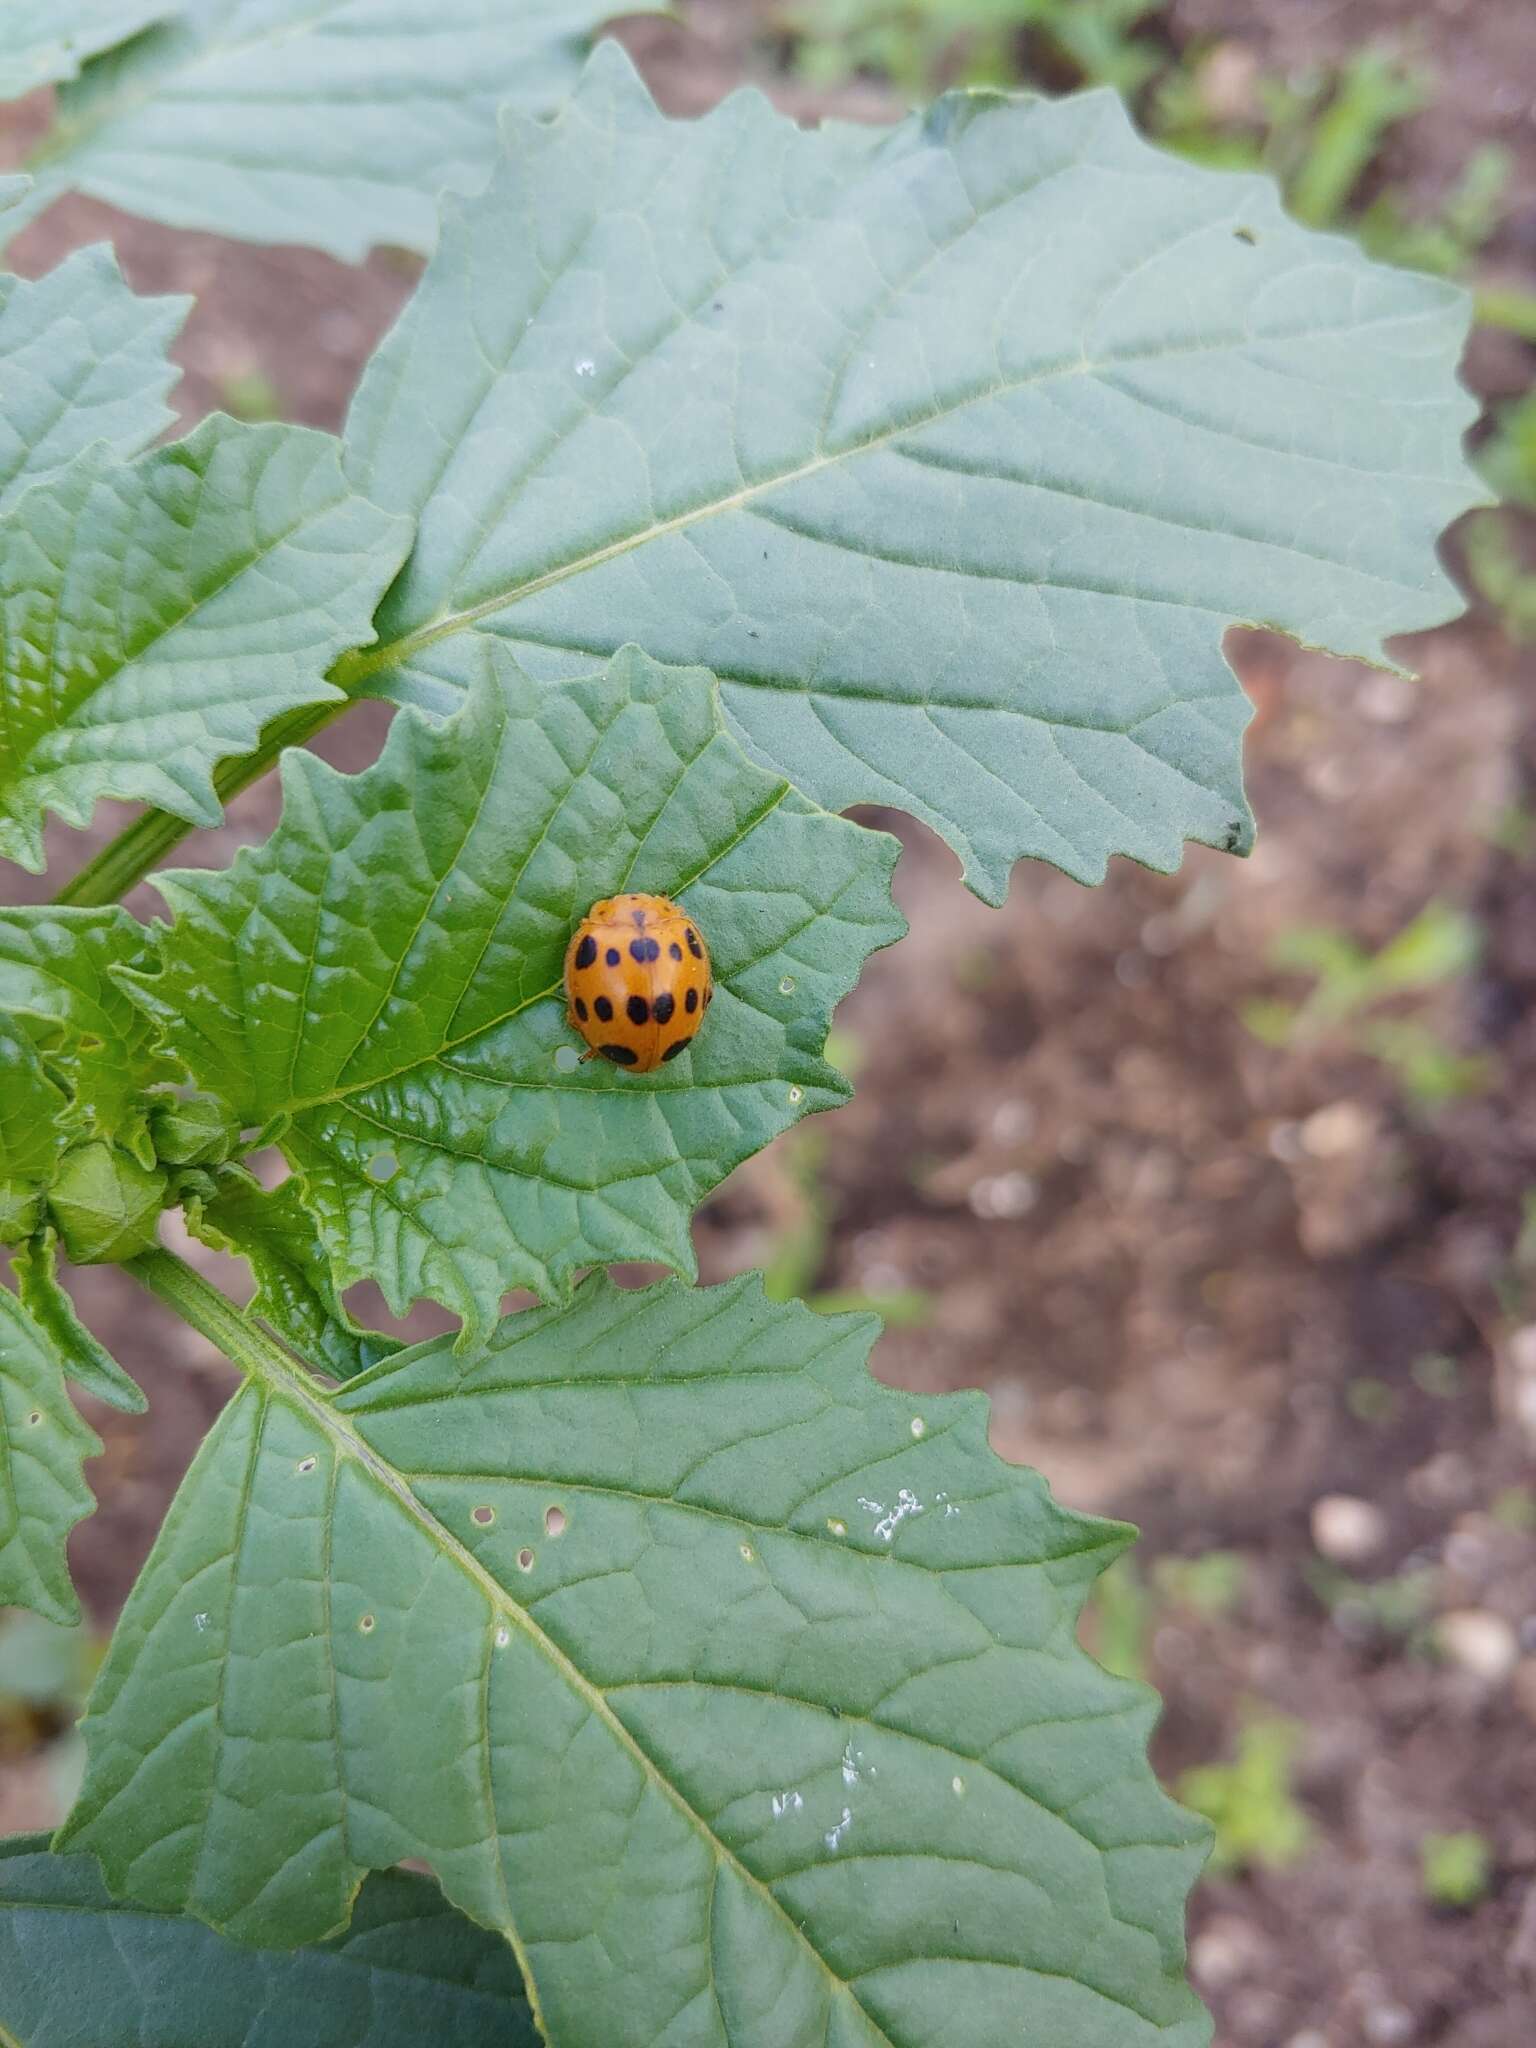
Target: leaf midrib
[284,1384]
[446,625]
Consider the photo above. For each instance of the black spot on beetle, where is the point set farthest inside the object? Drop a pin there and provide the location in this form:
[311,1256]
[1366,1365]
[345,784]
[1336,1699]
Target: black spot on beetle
[581,1009]
[621,1055]
[678,1045]
[663,1006]
[675,950]
[638,1010]
[612,956]
[691,1001]
[693,943]
[604,1009]
[644,949]
[586,952]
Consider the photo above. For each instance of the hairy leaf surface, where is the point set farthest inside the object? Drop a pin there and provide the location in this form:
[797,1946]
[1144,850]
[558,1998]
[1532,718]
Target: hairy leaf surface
[952,450]
[155,616]
[335,123]
[43,1445]
[380,983]
[42,41]
[295,1290]
[76,1965]
[84,362]
[742,1692]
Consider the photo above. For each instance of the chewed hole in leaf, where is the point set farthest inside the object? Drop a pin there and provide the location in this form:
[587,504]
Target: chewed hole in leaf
[554,1521]
[35,1418]
[797,1094]
[525,1560]
[305,1465]
[787,985]
[382,1166]
[483,1515]
[1245,235]
[503,1637]
[567,1059]
[367,1625]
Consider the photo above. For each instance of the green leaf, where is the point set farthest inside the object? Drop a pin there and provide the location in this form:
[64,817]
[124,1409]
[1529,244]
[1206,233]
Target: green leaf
[380,983]
[37,49]
[295,1292]
[84,361]
[56,969]
[84,1360]
[742,1693]
[154,617]
[952,450]
[334,123]
[43,1446]
[78,1967]
[33,1132]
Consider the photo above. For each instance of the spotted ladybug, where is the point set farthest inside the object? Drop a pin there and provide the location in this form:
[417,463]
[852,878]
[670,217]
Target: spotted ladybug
[637,981]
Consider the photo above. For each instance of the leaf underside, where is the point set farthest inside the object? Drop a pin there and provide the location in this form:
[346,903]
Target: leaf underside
[43,1444]
[332,123]
[742,1693]
[381,982]
[951,449]
[79,1967]
[154,616]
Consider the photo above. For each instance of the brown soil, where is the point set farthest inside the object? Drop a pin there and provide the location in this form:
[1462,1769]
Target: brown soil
[1208,1281]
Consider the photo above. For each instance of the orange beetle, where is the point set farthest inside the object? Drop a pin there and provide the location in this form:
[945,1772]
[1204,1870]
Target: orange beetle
[637,980]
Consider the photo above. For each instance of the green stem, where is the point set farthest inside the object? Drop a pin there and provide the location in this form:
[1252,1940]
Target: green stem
[214,1316]
[129,857]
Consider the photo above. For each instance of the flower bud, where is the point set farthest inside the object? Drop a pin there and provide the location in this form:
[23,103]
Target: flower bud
[104,1204]
[196,1132]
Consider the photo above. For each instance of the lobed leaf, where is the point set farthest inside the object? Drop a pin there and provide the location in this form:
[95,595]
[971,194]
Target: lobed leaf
[78,1966]
[743,1694]
[84,362]
[154,617]
[295,1291]
[952,450]
[334,123]
[36,48]
[56,971]
[380,983]
[43,1446]
[88,1363]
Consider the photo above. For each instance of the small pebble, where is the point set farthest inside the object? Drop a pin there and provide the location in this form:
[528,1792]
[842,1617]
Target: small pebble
[1481,1643]
[1347,1529]
[1225,1951]
[1334,1132]
[1389,2026]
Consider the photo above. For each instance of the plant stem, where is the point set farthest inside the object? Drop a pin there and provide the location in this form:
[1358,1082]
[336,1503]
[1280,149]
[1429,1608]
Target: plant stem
[128,858]
[214,1316]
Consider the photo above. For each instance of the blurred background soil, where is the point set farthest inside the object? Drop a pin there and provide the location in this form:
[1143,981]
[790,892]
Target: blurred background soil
[1222,1184]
